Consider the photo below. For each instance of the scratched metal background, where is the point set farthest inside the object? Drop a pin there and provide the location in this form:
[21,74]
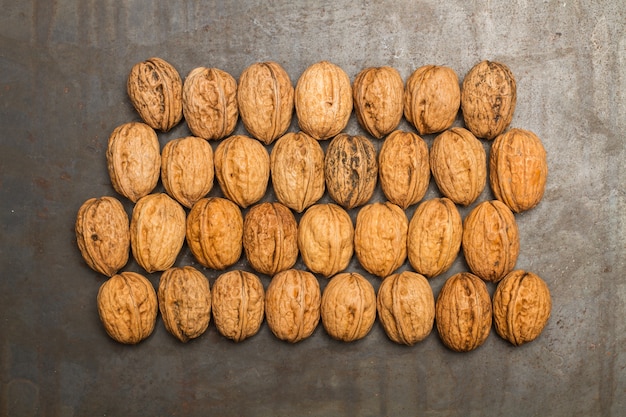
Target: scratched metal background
[63,68]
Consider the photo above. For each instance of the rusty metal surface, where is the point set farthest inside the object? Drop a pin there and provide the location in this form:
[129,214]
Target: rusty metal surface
[63,68]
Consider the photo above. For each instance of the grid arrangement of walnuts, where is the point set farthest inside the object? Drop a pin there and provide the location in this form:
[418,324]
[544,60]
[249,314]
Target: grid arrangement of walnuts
[211,102]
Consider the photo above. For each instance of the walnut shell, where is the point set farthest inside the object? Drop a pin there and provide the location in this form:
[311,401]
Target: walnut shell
[380,238]
[210,103]
[242,168]
[323,100]
[297,170]
[432,98]
[265,100]
[103,234]
[326,239]
[348,307]
[292,305]
[187,169]
[156,91]
[518,169]
[404,168]
[378,99]
[270,238]
[463,312]
[488,97]
[238,304]
[490,240]
[157,232]
[406,307]
[215,232]
[184,302]
[434,236]
[351,170]
[127,306]
[459,165]
[134,160]
[521,307]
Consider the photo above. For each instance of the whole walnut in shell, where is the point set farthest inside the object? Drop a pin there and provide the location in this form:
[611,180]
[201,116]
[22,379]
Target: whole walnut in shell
[351,170]
[348,307]
[380,238]
[521,307]
[134,160]
[434,236]
[238,304]
[404,168]
[242,168]
[103,234]
[187,169]
[270,238]
[406,307]
[378,99]
[490,240]
[323,100]
[156,91]
[157,232]
[297,170]
[292,305]
[459,165]
[326,239]
[463,312]
[210,103]
[518,169]
[215,232]
[432,98]
[127,306]
[184,302]
[488,98]
[265,100]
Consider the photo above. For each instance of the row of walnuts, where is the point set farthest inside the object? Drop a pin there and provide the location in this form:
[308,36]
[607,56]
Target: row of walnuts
[382,237]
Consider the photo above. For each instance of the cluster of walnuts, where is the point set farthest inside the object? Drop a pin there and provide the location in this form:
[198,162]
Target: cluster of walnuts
[382,237]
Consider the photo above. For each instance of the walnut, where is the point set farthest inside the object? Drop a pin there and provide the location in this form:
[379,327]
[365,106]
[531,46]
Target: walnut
[265,100]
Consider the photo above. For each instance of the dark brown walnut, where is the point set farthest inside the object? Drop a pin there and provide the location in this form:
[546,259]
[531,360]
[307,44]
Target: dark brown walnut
[103,234]
[323,100]
[157,231]
[238,304]
[187,169]
[270,238]
[326,239]
[210,103]
[378,99]
[297,170]
[128,306]
[156,91]
[406,307]
[521,307]
[184,302]
[265,100]
[490,240]
[215,232]
[459,165]
[348,307]
[134,160]
[380,238]
[404,168]
[242,168]
[518,169]
[292,305]
[434,237]
[463,312]
[432,98]
[488,97]
[351,170]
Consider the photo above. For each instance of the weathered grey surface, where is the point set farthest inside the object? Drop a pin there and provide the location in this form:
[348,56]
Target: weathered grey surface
[63,68]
